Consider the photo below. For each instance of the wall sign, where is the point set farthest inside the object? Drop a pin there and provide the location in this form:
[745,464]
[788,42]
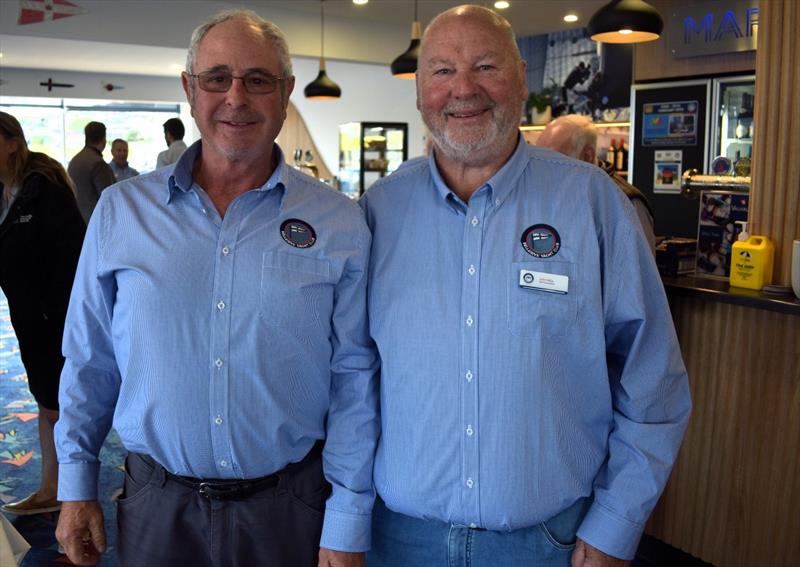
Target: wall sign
[670,123]
[713,27]
[667,171]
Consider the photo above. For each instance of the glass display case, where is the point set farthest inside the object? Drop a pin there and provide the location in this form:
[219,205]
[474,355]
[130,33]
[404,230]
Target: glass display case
[369,151]
[732,129]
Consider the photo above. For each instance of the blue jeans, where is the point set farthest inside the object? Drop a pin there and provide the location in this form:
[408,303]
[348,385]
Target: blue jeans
[403,541]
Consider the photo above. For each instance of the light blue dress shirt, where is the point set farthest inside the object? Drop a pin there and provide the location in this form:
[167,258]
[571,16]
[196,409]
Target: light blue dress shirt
[502,404]
[219,348]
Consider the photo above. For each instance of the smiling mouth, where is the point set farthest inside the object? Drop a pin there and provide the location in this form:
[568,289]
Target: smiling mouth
[464,114]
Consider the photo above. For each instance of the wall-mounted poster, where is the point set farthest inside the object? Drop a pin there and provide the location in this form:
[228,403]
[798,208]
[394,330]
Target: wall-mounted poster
[670,123]
[717,230]
[667,171]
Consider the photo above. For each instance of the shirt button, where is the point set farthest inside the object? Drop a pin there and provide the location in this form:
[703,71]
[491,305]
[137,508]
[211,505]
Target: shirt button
[470,431]
[221,305]
[497,202]
[473,525]
[468,375]
[471,270]
[218,420]
[226,250]
[218,363]
[469,321]
[474,221]
[223,463]
[470,483]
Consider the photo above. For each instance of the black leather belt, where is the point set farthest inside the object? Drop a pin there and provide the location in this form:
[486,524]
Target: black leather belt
[232,489]
[225,489]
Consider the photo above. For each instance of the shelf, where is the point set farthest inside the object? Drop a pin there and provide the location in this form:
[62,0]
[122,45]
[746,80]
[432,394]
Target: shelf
[531,127]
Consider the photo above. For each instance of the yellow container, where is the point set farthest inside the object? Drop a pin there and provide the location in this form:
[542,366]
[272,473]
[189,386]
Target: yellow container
[751,262]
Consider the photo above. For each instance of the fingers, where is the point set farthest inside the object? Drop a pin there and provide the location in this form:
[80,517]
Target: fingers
[81,533]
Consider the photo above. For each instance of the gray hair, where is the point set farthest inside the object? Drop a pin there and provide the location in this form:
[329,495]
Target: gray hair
[270,31]
[473,11]
[583,132]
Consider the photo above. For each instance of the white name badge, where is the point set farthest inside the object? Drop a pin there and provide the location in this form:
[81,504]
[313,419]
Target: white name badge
[554,283]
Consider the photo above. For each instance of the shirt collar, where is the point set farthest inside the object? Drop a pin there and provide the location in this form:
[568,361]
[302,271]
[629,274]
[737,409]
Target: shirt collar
[500,184]
[181,177]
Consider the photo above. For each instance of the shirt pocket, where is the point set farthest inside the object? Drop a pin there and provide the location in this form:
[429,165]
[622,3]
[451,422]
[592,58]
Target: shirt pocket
[295,290]
[539,313]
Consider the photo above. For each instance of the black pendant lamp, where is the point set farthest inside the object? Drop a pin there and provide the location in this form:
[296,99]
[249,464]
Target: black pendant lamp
[626,21]
[322,88]
[405,66]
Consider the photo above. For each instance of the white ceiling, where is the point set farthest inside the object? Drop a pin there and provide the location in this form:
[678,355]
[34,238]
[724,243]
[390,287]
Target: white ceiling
[146,48]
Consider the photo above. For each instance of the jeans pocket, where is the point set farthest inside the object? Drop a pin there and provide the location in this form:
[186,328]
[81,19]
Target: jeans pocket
[562,529]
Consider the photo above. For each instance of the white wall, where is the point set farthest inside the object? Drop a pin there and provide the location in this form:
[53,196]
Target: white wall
[369,93]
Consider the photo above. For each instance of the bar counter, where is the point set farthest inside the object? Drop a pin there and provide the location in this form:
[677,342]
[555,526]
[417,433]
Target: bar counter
[719,290]
[734,494]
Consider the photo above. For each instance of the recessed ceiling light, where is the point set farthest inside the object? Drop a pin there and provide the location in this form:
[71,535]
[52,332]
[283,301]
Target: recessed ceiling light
[360,2]
[625,31]
[571,18]
[502,4]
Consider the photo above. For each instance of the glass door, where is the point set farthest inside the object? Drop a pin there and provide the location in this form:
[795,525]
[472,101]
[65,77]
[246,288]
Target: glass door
[733,124]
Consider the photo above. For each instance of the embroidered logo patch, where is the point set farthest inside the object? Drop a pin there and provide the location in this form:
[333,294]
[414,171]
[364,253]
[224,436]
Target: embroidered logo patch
[298,233]
[541,241]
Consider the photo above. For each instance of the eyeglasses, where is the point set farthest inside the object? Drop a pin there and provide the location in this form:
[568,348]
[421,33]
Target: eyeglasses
[221,81]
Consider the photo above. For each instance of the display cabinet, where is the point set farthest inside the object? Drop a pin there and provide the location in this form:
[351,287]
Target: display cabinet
[732,128]
[369,151]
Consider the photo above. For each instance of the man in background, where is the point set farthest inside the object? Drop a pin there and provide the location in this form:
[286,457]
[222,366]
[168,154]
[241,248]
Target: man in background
[218,317]
[576,136]
[533,397]
[119,160]
[173,135]
[89,171]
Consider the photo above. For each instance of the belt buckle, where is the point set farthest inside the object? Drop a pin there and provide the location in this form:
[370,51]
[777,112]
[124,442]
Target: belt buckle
[204,490]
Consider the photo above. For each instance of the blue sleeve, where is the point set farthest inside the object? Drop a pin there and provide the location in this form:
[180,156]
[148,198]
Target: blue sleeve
[353,421]
[649,388]
[90,379]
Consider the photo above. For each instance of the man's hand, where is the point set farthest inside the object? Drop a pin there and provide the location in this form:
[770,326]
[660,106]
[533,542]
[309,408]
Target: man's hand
[80,531]
[330,558]
[587,556]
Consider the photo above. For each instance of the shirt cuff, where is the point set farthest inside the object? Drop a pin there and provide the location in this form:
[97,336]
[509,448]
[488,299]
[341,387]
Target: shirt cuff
[78,481]
[346,532]
[610,533]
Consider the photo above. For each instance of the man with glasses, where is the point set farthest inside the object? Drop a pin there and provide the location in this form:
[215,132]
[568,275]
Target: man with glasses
[219,318]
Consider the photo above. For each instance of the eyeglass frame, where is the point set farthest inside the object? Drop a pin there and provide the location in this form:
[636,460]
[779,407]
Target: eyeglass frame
[199,75]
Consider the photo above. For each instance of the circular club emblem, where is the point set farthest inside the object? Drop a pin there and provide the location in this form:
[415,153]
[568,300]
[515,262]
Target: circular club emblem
[541,241]
[298,233]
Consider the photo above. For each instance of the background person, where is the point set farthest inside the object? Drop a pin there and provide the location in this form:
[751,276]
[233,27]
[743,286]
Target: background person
[533,397]
[576,136]
[219,318]
[119,160]
[173,135]
[88,171]
[41,232]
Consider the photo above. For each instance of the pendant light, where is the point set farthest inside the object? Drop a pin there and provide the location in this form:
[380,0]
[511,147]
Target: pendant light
[322,88]
[405,66]
[625,21]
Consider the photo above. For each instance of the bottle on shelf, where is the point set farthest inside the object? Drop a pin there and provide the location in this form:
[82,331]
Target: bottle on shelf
[621,163]
[611,152]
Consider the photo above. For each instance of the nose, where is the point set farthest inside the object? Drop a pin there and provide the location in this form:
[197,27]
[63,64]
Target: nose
[237,94]
[464,84]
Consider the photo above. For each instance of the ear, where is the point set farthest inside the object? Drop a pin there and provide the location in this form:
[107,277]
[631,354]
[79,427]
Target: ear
[186,84]
[589,153]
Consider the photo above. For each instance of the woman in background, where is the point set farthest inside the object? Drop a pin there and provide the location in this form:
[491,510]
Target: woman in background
[41,233]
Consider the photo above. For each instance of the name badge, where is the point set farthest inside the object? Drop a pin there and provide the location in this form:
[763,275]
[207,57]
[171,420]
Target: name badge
[553,283]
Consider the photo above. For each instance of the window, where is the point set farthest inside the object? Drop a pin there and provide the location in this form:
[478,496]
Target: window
[55,126]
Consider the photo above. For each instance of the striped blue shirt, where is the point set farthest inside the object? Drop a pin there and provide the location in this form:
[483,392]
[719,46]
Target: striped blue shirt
[503,399]
[224,347]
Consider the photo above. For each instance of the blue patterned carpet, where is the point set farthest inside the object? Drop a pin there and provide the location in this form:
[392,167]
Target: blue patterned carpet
[20,461]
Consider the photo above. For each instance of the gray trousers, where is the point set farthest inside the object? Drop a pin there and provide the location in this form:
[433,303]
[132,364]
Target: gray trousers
[164,523]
